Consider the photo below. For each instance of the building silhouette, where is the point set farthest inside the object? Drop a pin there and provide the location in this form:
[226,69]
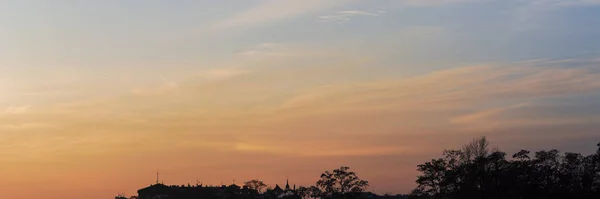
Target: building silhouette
[199,191]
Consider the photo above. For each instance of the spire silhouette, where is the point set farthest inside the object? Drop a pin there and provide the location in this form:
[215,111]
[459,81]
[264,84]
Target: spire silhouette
[287,184]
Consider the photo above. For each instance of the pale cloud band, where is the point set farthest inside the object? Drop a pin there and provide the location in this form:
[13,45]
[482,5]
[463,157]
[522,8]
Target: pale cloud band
[279,10]
[270,11]
[346,15]
[458,97]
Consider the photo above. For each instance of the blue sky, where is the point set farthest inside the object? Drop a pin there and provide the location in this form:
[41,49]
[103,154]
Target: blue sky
[112,90]
[111,31]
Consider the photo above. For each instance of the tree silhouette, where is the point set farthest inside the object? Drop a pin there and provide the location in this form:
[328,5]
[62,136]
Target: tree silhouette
[476,172]
[341,182]
[121,196]
[256,185]
[315,192]
[303,192]
[477,148]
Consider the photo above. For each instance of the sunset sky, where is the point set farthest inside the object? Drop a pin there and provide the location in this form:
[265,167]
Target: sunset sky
[95,96]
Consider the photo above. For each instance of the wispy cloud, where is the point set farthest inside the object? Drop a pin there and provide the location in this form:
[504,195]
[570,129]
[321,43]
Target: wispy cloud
[564,2]
[275,100]
[222,74]
[483,114]
[269,11]
[320,149]
[272,51]
[434,2]
[164,85]
[526,15]
[16,109]
[457,89]
[346,15]
[461,101]
[22,126]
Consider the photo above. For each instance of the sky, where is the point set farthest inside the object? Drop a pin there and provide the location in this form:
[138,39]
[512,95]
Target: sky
[96,96]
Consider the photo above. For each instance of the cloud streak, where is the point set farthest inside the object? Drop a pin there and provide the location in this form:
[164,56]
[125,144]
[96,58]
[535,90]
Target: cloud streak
[450,92]
[434,2]
[346,15]
[452,99]
[270,11]
[16,109]
[564,2]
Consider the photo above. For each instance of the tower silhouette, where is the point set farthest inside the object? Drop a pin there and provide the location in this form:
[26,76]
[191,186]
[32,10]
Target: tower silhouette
[287,184]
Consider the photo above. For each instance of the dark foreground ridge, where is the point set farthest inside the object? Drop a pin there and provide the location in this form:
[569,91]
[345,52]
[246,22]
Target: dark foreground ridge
[473,172]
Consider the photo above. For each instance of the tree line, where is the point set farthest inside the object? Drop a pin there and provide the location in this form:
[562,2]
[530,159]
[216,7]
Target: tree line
[478,171]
